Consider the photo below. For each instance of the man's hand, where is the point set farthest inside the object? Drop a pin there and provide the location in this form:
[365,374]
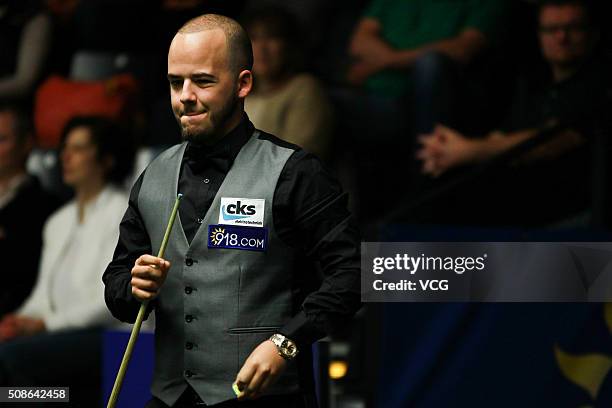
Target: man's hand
[148,275]
[362,70]
[260,370]
[446,148]
[27,326]
[12,326]
[8,327]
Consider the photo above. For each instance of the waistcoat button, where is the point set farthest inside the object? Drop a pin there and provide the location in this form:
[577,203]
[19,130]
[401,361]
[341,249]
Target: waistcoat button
[188,290]
[188,261]
[188,318]
[188,345]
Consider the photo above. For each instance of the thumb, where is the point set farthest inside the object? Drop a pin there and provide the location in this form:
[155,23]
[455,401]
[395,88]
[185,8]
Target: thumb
[244,375]
[239,384]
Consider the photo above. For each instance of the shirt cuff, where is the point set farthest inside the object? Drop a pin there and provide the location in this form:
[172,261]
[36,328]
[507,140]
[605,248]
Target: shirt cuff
[125,306]
[301,330]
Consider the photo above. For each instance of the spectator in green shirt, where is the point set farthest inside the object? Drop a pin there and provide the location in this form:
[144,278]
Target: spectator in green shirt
[415,49]
[394,34]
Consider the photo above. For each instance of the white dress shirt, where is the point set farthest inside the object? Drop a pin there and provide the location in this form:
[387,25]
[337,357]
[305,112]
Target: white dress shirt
[69,292]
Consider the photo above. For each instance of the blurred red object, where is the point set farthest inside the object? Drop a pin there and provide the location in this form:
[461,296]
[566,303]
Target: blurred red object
[64,9]
[59,99]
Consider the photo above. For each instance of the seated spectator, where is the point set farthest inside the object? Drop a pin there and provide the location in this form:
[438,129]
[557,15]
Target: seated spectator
[573,96]
[285,101]
[571,102]
[408,53]
[411,60]
[25,33]
[24,207]
[59,324]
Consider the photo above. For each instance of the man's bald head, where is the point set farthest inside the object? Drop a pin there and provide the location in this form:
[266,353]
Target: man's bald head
[239,50]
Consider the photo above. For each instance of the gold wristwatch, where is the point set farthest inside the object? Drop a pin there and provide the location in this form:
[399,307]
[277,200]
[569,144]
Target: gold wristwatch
[286,348]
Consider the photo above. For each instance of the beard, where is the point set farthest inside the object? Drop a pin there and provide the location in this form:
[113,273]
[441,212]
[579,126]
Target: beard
[212,128]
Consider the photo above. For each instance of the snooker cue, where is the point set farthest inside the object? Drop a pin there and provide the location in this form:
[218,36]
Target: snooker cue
[143,307]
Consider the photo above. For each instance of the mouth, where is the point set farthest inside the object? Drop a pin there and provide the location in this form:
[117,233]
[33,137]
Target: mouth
[192,118]
[191,114]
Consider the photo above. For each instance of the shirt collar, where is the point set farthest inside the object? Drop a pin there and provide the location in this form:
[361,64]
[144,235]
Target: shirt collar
[221,154]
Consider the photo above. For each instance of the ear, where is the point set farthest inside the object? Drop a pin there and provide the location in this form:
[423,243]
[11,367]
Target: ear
[245,83]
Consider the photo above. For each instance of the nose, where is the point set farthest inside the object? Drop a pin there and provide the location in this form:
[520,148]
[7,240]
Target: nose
[562,35]
[187,94]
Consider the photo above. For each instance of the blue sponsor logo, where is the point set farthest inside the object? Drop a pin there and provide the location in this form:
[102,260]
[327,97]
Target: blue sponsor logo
[237,237]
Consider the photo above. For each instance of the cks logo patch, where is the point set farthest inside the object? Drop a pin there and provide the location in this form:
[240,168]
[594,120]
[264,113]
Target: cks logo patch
[242,211]
[234,237]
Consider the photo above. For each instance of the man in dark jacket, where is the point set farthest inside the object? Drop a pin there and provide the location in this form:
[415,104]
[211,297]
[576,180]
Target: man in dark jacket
[24,207]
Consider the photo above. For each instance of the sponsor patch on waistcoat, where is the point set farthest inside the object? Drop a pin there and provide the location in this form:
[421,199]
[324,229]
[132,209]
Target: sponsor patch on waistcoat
[248,212]
[237,237]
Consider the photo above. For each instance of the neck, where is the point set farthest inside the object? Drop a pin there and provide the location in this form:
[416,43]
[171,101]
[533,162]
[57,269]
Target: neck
[87,193]
[8,176]
[231,124]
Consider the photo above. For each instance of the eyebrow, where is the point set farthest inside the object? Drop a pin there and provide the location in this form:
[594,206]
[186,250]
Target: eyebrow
[197,75]
[203,75]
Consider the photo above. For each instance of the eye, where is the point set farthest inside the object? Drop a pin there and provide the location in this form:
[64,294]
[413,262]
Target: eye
[202,82]
[176,83]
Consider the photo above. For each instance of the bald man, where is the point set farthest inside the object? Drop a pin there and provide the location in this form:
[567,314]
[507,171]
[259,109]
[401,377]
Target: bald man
[237,299]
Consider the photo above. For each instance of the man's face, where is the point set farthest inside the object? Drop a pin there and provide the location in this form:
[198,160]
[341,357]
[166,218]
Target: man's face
[565,37]
[12,153]
[203,88]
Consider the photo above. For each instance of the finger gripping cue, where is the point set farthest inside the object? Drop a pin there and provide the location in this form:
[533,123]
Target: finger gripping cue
[141,312]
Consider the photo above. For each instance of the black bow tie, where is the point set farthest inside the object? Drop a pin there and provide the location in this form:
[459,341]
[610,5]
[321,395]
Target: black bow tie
[200,158]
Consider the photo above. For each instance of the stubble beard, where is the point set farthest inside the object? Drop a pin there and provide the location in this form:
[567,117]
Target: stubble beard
[217,122]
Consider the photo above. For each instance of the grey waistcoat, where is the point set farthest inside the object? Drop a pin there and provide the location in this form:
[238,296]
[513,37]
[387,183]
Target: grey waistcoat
[238,298]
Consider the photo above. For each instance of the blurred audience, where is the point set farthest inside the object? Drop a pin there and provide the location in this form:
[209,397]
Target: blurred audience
[550,181]
[409,53]
[285,101]
[24,207]
[25,34]
[573,95]
[328,24]
[411,63]
[59,324]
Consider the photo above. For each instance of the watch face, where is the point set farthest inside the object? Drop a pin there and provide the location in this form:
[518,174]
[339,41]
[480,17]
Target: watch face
[285,346]
[290,350]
